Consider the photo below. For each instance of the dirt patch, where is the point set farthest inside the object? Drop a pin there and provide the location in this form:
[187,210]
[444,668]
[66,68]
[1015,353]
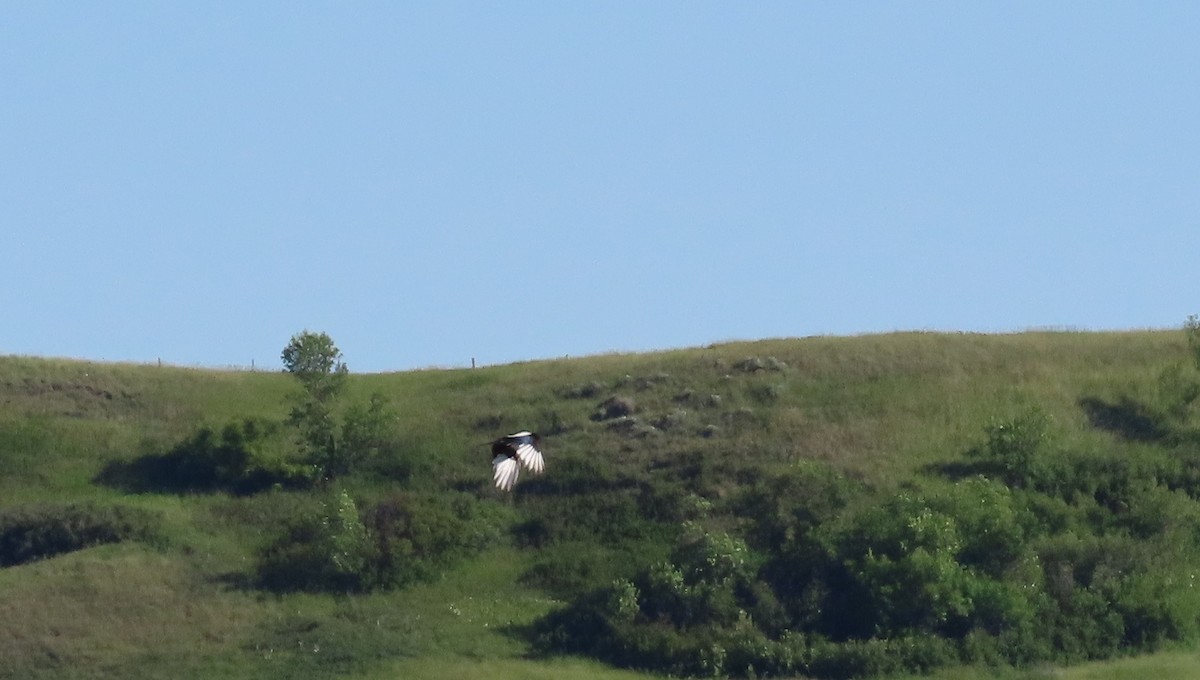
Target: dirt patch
[615,407]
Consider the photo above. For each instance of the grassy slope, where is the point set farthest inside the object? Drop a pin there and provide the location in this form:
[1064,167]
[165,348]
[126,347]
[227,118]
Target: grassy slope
[881,407]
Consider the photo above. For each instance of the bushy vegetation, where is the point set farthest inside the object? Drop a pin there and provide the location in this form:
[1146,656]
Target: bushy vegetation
[244,457]
[1027,550]
[1034,553]
[340,547]
[29,533]
[827,507]
[333,445]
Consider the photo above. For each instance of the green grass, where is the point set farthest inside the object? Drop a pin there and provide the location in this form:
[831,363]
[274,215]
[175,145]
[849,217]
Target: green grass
[1169,665]
[882,408]
[1162,666]
[456,668]
[114,612]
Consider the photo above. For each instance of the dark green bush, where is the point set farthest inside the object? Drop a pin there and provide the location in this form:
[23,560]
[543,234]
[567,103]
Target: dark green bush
[976,572]
[243,457]
[898,563]
[414,536]
[993,526]
[782,510]
[1015,448]
[1035,553]
[782,514]
[874,657]
[326,549]
[582,501]
[29,533]
[366,437]
[338,548]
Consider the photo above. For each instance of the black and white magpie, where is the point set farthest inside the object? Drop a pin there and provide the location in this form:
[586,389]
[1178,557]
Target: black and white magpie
[511,452]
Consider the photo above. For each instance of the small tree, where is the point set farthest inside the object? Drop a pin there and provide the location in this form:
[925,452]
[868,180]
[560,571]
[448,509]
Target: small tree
[365,433]
[1191,328]
[317,363]
[335,438]
[1179,383]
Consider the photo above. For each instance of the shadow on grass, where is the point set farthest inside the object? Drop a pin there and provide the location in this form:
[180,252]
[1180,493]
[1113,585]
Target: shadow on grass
[958,470]
[240,581]
[178,472]
[1126,418]
[29,533]
[208,462]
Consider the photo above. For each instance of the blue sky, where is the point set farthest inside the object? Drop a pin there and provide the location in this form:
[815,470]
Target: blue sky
[432,182]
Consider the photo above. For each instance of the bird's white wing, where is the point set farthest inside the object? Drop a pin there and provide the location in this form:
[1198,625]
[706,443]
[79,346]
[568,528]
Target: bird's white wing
[531,457]
[505,471]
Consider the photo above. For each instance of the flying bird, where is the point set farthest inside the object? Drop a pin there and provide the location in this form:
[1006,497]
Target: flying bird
[511,452]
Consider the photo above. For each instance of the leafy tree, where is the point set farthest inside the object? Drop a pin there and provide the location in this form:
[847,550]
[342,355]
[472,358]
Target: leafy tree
[317,363]
[1191,328]
[334,447]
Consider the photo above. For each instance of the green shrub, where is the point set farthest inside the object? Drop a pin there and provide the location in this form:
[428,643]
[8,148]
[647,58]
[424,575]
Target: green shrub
[337,548]
[29,533]
[414,536]
[782,510]
[992,526]
[582,501]
[874,657]
[243,457]
[365,437]
[782,515]
[711,557]
[325,550]
[901,568]
[1015,447]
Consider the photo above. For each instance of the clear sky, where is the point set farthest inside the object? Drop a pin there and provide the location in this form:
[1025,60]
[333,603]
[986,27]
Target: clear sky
[431,182]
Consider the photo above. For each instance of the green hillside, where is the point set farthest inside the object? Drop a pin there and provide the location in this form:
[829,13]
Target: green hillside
[161,522]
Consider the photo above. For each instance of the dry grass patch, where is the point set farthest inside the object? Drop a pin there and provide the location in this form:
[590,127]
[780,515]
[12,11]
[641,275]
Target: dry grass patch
[108,608]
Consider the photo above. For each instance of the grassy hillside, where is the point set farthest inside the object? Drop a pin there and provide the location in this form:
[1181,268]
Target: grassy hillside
[175,593]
